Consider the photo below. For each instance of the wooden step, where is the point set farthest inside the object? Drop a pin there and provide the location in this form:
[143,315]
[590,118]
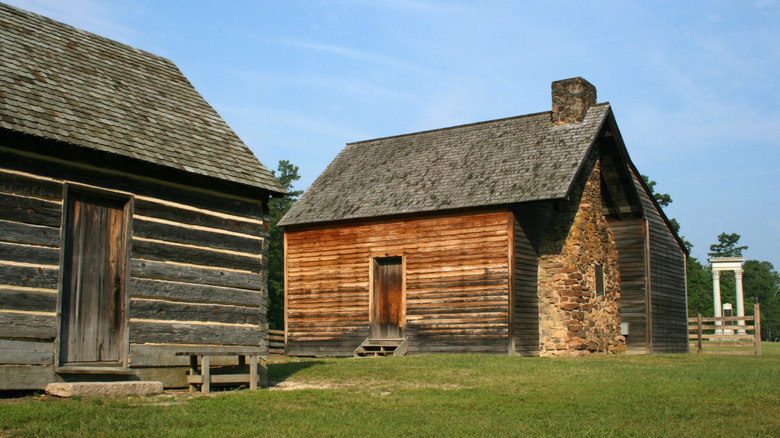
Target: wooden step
[381,347]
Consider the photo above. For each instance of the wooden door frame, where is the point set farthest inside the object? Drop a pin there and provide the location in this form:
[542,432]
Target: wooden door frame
[124,337]
[371,305]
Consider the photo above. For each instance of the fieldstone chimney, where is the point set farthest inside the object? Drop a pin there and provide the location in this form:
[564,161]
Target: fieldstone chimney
[571,99]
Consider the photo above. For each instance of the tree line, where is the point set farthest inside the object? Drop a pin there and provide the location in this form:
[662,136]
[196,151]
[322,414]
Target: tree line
[760,279]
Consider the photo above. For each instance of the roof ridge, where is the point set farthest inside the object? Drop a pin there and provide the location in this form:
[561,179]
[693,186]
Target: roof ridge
[465,125]
[91,34]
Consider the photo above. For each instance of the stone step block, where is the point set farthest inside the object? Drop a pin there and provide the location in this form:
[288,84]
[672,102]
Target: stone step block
[104,389]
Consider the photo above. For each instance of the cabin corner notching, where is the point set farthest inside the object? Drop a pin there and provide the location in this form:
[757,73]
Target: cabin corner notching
[121,243]
[547,243]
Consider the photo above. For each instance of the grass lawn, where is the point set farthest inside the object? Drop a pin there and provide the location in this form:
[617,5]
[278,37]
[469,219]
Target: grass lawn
[446,395]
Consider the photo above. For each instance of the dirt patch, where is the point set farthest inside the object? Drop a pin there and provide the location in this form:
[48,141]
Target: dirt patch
[373,386]
[291,385]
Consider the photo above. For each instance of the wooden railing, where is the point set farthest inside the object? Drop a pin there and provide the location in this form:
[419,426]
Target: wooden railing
[731,333]
[276,342]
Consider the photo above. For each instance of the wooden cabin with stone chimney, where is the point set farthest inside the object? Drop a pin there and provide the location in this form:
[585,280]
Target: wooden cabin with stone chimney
[133,220]
[531,235]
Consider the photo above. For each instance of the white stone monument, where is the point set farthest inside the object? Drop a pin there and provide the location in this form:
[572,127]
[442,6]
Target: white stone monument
[727,264]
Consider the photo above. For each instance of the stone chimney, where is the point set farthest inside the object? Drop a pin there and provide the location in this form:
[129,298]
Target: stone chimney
[571,99]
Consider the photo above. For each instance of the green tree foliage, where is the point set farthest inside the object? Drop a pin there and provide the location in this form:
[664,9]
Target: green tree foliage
[762,281]
[699,288]
[727,246]
[288,173]
[663,199]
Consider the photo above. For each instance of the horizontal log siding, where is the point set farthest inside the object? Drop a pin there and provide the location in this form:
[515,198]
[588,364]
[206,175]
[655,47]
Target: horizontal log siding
[456,284]
[196,276]
[630,241]
[526,295]
[196,272]
[668,301]
[30,215]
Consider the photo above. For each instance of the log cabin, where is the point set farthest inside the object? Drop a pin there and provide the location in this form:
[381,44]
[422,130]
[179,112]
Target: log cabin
[133,220]
[531,235]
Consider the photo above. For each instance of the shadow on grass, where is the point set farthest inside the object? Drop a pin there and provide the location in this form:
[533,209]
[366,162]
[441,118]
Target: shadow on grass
[281,371]
[11,395]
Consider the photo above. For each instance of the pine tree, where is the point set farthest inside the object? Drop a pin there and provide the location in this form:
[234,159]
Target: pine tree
[288,173]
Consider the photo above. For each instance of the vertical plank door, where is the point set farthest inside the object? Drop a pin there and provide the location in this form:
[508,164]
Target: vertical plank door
[387,300]
[92,305]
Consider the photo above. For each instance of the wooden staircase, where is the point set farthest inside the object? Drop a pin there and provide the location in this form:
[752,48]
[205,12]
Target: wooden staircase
[382,347]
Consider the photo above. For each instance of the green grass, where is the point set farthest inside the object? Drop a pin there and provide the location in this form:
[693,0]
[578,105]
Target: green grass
[447,395]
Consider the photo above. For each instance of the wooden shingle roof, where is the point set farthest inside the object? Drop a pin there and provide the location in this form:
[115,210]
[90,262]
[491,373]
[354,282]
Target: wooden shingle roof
[499,162]
[69,85]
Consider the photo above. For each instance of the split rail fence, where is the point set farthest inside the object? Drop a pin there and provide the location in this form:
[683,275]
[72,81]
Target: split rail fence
[726,337]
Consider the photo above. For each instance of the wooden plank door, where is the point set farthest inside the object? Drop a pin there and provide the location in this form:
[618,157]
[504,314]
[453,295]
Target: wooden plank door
[92,318]
[387,299]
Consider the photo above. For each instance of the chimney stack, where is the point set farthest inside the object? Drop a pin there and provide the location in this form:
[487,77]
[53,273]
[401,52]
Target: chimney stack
[571,99]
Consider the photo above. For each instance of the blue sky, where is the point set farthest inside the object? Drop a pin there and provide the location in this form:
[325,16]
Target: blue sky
[695,85]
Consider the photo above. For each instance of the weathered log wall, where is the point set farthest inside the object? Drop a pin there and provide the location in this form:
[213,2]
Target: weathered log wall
[456,283]
[196,267]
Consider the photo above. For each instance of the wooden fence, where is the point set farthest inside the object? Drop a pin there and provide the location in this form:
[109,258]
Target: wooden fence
[732,333]
[276,342]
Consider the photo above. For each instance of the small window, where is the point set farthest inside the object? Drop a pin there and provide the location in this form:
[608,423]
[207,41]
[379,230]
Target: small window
[599,280]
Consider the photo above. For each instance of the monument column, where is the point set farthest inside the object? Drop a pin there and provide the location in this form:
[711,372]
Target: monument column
[716,298]
[740,298]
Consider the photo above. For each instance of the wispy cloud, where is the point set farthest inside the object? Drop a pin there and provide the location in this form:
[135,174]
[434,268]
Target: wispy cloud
[357,55]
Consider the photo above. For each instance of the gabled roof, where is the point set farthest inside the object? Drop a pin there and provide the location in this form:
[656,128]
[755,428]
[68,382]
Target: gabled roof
[68,85]
[499,162]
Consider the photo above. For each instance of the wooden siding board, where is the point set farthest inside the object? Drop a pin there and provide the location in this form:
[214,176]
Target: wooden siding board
[15,377]
[152,269]
[43,277]
[25,253]
[204,312]
[195,293]
[29,210]
[18,325]
[28,299]
[25,352]
[197,334]
[18,232]
[162,251]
